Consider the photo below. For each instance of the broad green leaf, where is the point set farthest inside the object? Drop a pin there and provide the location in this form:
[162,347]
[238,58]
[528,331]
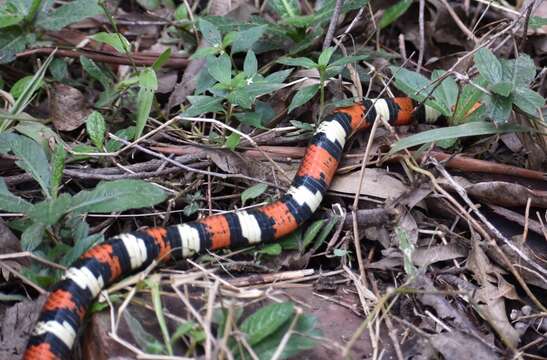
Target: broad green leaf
[148,79]
[528,101]
[301,61]
[181,13]
[32,237]
[407,248]
[524,71]
[96,128]
[278,76]
[162,59]
[143,338]
[303,96]
[265,321]
[126,134]
[245,39]
[417,87]
[301,339]
[19,87]
[210,32]
[250,118]
[232,141]
[253,192]
[393,12]
[10,202]
[12,41]
[265,111]
[470,129]
[59,69]
[285,8]
[241,98]
[118,195]
[271,249]
[203,52]
[260,88]
[489,66]
[182,330]
[502,88]
[220,68]
[250,65]
[447,91]
[40,133]
[149,4]
[349,59]
[311,232]
[537,22]
[116,40]
[10,15]
[469,98]
[32,159]
[49,211]
[202,104]
[325,56]
[498,108]
[69,13]
[57,166]
[96,72]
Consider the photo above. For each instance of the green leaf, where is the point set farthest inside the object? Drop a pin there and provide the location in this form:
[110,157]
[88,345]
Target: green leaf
[285,8]
[220,68]
[265,321]
[96,128]
[447,92]
[232,141]
[162,59]
[498,108]
[411,83]
[278,76]
[181,13]
[210,32]
[12,41]
[143,338]
[489,66]
[202,104]
[301,339]
[537,22]
[311,232]
[349,59]
[19,87]
[528,101]
[116,40]
[57,167]
[250,65]
[203,52]
[145,98]
[524,71]
[126,134]
[303,96]
[59,69]
[69,13]
[253,192]
[260,88]
[10,202]
[502,88]
[250,118]
[32,237]
[96,72]
[247,38]
[469,98]
[241,98]
[271,250]
[49,211]
[325,56]
[393,12]
[470,129]
[10,15]
[301,61]
[32,159]
[407,248]
[118,195]
[149,4]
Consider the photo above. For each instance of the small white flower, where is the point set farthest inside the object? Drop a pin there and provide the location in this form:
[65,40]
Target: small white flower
[249,81]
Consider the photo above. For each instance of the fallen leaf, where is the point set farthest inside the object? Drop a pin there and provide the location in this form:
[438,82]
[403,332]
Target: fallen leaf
[376,182]
[68,107]
[424,256]
[507,194]
[456,345]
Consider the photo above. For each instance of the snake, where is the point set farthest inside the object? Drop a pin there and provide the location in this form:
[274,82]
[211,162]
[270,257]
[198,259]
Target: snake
[63,312]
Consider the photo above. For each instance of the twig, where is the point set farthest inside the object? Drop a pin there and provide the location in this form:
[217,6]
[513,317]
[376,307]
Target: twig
[332,25]
[459,22]
[421,21]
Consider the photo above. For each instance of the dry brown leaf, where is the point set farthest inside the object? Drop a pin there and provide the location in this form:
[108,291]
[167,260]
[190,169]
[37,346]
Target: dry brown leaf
[424,256]
[233,163]
[376,183]
[456,345]
[68,107]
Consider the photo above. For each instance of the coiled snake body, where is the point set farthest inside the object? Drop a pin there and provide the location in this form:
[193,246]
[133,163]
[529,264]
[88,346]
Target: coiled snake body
[62,314]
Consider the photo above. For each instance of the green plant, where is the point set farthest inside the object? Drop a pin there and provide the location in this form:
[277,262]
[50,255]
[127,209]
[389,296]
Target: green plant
[61,215]
[326,69]
[23,22]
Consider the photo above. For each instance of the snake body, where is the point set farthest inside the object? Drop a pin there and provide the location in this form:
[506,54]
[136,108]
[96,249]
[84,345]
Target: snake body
[63,312]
